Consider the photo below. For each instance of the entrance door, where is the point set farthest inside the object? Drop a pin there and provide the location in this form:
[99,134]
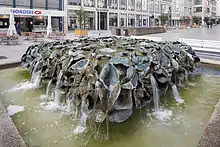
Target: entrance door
[26,23]
[103,21]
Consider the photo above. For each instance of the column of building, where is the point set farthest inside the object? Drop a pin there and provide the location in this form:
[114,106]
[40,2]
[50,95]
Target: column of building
[65,19]
[203,13]
[118,14]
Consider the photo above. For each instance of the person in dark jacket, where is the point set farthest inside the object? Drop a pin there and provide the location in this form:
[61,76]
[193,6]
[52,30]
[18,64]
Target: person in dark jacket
[18,26]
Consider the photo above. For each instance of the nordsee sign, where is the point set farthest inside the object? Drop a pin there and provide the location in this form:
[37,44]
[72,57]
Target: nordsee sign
[26,12]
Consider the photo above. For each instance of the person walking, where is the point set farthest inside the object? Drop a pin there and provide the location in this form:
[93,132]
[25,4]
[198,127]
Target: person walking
[211,24]
[18,26]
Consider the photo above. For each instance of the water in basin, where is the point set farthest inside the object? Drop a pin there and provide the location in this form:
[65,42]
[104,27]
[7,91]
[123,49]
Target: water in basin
[173,125]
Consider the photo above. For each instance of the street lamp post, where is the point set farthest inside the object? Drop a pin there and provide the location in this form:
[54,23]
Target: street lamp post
[100,5]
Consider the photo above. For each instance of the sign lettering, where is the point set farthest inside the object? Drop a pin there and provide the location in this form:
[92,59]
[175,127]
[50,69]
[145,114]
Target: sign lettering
[26,12]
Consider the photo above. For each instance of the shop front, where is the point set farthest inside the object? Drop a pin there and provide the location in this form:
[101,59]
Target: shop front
[32,20]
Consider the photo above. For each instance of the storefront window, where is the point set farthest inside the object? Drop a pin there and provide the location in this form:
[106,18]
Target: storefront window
[74,2]
[39,3]
[131,19]
[123,20]
[23,3]
[6,2]
[138,20]
[53,4]
[113,19]
[91,21]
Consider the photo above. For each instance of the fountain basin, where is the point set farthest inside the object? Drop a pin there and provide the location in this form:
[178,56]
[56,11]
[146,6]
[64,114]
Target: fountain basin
[50,126]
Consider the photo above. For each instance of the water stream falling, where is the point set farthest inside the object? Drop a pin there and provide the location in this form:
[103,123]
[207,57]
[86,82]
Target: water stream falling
[186,75]
[32,84]
[177,95]
[48,88]
[84,111]
[156,96]
[159,113]
[57,89]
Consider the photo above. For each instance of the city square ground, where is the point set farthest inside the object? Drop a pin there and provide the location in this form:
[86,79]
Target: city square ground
[12,54]
[195,33]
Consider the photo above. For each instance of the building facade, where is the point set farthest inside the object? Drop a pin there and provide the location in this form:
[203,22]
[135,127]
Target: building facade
[218,9]
[104,14]
[32,14]
[115,13]
[203,9]
[188,4]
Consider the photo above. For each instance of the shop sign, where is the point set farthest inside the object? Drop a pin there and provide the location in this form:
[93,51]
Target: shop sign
[26,12]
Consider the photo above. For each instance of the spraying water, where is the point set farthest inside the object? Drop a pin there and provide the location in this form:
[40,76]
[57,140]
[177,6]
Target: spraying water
[156,98]
[177,95]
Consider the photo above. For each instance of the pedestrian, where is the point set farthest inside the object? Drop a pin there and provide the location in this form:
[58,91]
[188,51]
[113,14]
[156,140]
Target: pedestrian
[18,26]
[211,24]
[207,23]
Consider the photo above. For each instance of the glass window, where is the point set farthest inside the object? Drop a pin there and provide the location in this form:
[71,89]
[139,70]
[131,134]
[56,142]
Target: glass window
[89,3]
[74,2]
[123,4]
[138,20]
[102,3]
[138,5]
[6,2]
[157,7]
[23,3]
[131,20]
[151,6]
[113,19]
[122,20]
[131,5]
[39,3]
[53,4]
[197,2]
[112,4]
[145,5]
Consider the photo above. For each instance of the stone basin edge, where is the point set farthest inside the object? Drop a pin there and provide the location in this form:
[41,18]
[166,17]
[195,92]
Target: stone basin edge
[211,135]
[9,135]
